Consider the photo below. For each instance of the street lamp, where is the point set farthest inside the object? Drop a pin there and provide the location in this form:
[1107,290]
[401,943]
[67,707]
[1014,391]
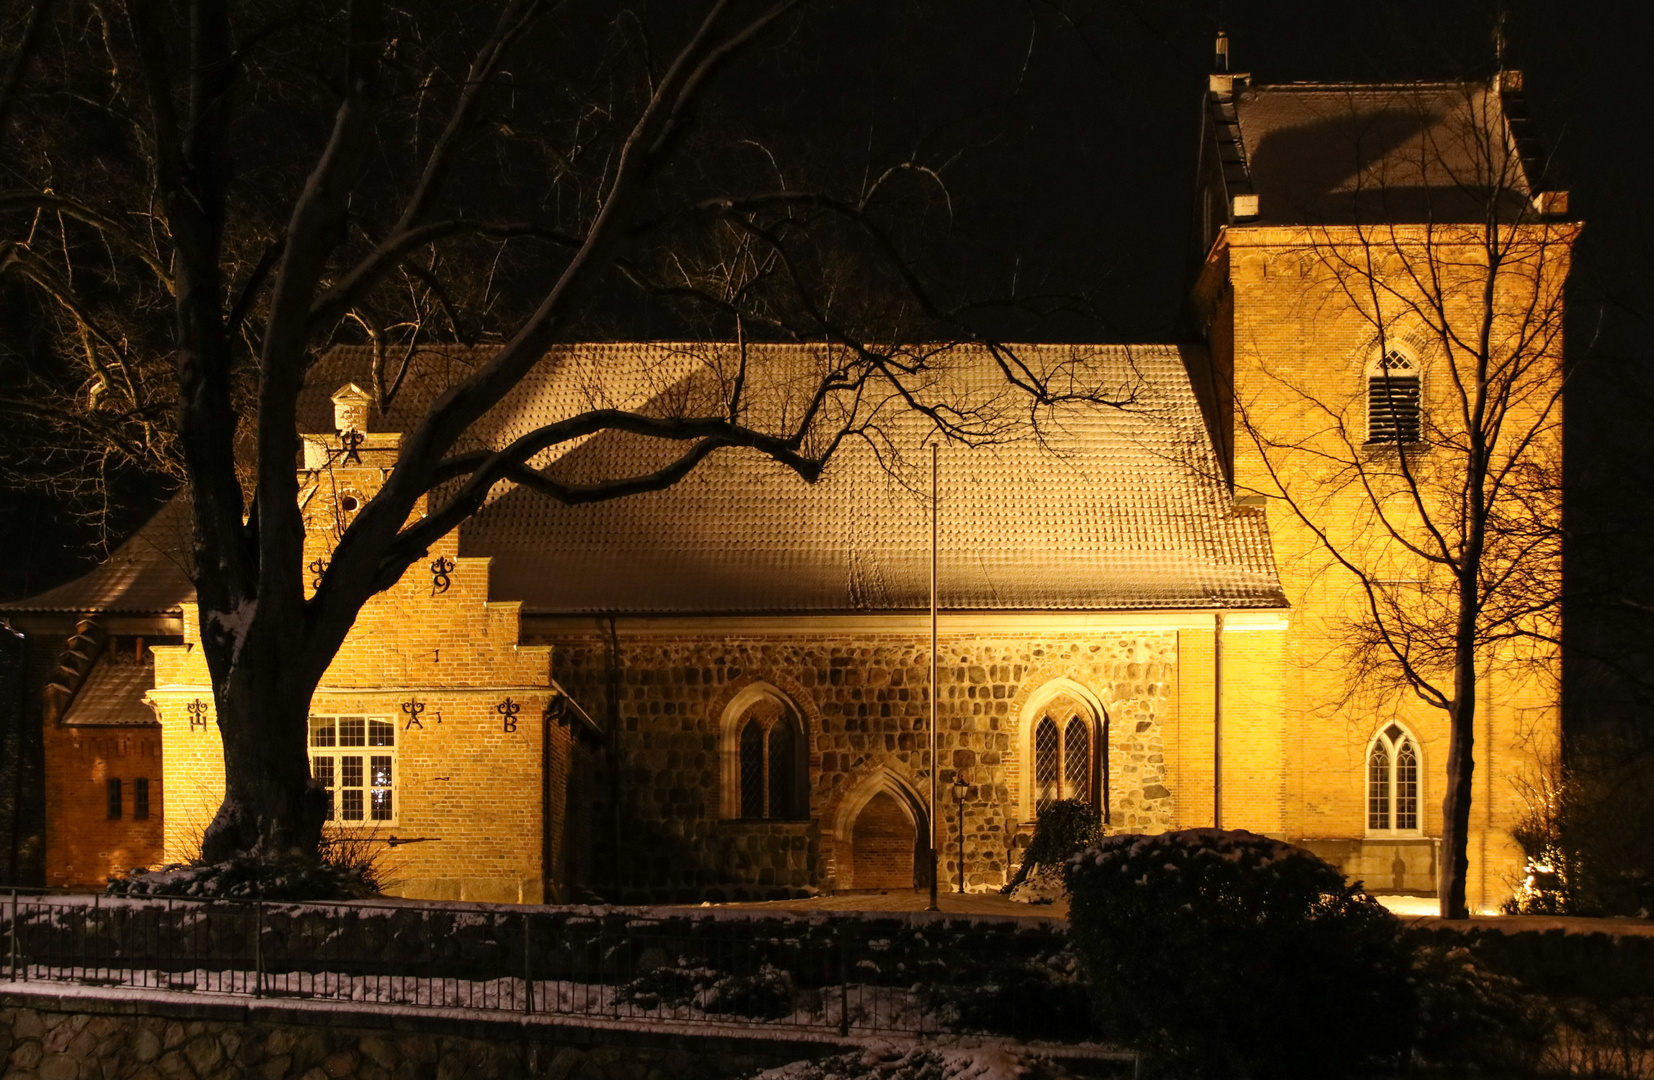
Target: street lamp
[959,789]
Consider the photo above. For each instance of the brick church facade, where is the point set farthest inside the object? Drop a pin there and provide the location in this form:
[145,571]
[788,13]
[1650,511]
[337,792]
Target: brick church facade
[722,690]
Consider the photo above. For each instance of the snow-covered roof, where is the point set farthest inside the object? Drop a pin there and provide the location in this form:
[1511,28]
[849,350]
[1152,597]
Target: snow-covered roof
[1332,153]
[1085,507]
[147,575]
[1093,507]
[113,695]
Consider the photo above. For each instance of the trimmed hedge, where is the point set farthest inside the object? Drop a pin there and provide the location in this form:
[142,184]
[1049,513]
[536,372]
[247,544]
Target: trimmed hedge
[1228,954]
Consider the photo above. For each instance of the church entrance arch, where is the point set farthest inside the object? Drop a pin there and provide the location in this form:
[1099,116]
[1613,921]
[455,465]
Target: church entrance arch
[882,828]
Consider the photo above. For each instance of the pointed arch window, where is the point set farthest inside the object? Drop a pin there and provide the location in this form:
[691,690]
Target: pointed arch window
[1394,409]
[1393,782]
[773,763]
[1062,760]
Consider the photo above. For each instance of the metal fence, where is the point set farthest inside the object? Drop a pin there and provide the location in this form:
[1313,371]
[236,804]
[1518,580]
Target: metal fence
[786,972]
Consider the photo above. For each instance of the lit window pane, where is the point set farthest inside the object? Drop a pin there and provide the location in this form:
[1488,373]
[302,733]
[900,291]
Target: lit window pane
[350,802]
[381,733]
[380,766]
[352,731]
[321,731]
[1047,764]
[350,772]
[381,805]
[1076,760]
[1407,787]
[1378,788]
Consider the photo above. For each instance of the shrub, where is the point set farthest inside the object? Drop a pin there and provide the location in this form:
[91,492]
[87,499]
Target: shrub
[1061,829]
[349,865]
[1227,954]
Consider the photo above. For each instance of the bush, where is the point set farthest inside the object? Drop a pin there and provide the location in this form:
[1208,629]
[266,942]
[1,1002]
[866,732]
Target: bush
[1061,829]
[1227,954]
[349,865]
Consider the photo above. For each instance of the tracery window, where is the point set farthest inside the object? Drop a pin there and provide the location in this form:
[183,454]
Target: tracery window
[774,764]
[354,759]
[1394,412]
[1393,782]
[1062,760]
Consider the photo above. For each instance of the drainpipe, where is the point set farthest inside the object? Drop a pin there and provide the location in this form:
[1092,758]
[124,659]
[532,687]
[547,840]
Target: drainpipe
[1217,720]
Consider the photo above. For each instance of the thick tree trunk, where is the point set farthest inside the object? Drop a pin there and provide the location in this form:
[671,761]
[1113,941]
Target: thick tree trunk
[270,807]
[1455,856]
[1461,760]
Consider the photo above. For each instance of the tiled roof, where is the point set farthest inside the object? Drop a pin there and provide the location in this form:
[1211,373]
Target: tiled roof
[1096,508]
[113,695]
[147,575]
[1101,509]
[1318,153]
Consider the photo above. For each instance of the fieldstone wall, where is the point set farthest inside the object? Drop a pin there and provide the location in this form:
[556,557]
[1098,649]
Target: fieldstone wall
[864,708]
[46,1044]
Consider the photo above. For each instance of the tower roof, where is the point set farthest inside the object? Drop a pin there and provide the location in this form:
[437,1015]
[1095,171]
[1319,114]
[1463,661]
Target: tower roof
[1341,153]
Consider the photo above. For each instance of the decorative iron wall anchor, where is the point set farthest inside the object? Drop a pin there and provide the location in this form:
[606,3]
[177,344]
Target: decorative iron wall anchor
[198,714]
[413,708]
[508,711]
[440,569]
[317,569]
[352,442]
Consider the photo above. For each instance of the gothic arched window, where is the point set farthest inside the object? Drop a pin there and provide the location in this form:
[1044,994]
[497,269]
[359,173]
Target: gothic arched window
[774,763]
[1062,760]
[1394,411]
[1393,782]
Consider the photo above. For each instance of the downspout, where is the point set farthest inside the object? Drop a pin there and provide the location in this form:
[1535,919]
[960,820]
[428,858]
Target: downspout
[1217,720]
[612,752]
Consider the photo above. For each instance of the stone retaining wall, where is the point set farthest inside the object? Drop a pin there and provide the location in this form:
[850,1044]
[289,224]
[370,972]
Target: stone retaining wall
[79,1034]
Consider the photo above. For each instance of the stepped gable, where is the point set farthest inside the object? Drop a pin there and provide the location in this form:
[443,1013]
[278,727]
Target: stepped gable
[1318,153]
[148,574]
[1100,509]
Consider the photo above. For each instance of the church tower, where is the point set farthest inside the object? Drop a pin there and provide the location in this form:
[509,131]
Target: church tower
[1381,296]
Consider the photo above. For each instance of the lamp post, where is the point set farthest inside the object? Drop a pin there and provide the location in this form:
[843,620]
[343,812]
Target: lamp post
[959,789]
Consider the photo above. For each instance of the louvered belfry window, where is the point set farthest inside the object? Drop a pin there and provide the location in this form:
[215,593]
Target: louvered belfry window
[1393,400]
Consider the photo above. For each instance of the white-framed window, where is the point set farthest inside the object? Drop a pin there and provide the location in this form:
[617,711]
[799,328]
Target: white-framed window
[1394,399]
[354,759]
[1393,778]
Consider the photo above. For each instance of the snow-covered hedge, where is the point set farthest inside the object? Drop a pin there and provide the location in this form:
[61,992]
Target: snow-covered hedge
[1227,954]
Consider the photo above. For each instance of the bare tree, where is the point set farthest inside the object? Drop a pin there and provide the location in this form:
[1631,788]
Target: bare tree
[200,203]
[1432,482]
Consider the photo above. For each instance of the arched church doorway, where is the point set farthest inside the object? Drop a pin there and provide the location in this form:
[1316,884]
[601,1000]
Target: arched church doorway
[884,846]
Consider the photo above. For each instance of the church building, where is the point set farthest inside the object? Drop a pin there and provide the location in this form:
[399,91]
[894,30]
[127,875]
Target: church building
[723,690]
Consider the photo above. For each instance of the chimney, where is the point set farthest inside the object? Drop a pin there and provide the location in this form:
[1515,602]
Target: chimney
[1220,56]
[350,408]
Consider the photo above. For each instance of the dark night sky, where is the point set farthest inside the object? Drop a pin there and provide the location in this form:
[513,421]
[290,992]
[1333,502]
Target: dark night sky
[1068,134]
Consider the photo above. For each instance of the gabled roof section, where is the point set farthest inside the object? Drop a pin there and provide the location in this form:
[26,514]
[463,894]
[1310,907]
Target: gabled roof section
[147,575]
[1092,508]
[1341,153]
[1081,508]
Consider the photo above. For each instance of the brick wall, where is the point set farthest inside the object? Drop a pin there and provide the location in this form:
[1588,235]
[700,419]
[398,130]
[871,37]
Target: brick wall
[83,846]
[1295,336]
[881,848]
[477,777]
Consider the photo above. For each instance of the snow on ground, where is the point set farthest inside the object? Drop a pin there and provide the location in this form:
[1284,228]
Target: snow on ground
[895,1061]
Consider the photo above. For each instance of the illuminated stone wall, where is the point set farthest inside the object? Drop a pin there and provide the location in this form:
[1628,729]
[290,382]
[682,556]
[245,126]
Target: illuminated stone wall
[862,698]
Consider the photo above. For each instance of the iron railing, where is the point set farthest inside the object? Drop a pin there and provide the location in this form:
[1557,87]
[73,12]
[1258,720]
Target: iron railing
[784,972]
